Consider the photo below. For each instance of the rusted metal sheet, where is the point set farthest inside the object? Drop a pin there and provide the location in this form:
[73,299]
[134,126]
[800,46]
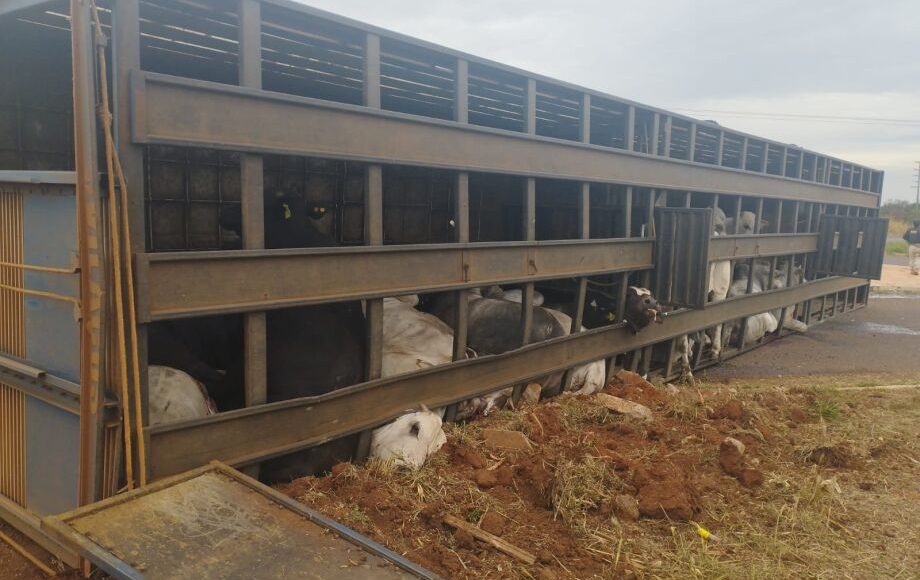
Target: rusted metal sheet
[175,111]
[249,435]
[193,283]
[215,522]
[755,246]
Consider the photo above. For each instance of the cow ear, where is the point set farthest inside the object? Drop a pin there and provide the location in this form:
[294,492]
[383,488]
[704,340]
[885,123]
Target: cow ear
[415,428]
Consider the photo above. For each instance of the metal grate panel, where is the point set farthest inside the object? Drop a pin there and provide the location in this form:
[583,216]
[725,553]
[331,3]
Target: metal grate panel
[851,246]
[12,342]
[682,256]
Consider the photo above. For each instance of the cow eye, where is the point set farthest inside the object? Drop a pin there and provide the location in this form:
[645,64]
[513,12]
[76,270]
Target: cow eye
[646,301]
[414,429]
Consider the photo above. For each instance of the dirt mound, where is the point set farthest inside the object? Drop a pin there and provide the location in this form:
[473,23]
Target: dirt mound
[588,476]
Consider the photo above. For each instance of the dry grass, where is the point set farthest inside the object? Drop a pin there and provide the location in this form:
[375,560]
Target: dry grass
[581,486]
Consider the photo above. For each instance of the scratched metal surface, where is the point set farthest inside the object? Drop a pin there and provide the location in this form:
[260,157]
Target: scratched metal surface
[211,526]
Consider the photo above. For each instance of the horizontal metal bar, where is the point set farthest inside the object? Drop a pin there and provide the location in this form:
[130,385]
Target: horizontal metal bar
[32,268]
[42,294]
[755,246]
[37,383]
[30,525]
[11,6]
[181,284]
[38,177]
[249,435]
[186,112]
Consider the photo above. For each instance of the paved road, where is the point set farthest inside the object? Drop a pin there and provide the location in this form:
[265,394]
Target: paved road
[884,337]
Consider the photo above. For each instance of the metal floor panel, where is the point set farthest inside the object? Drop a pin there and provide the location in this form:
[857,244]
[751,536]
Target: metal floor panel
[215,522]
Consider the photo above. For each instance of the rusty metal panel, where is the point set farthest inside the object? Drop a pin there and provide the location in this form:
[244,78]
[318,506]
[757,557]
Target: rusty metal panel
[682,256]
[173,285]
[250,435]
[171,110]
[217,523]
[850,246]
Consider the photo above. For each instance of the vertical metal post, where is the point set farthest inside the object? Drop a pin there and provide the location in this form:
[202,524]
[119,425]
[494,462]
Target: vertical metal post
[691,153]
[126,58]
[585,133]
[584,225]
[765,157]
[625,232]
[630,133]
[656,128]
[669,359]
[461,224]
[373,229]
[783,161]
[461,315]
[250,65]
[529,220]
[529,217]
[744,153]
[801,164]
[720,148]
[89,243]
[461,91]
[530,113]
[372,71]
[668,127]
[255,341]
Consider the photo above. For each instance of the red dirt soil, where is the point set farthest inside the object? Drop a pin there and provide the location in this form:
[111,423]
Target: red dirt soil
[660,469]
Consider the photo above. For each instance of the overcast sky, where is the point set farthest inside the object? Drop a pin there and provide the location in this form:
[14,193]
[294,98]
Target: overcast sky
[835,58]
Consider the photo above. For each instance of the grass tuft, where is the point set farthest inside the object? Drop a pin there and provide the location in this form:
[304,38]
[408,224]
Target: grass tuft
[580,486]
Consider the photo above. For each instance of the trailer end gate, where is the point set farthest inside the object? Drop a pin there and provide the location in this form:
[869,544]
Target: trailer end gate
[216,522]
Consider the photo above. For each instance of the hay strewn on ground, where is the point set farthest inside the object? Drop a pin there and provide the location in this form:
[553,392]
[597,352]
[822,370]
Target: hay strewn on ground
[828,486]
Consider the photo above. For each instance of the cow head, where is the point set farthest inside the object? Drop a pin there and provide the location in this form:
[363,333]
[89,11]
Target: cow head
[642,308]
[718,222]
[291,223]
[409,440]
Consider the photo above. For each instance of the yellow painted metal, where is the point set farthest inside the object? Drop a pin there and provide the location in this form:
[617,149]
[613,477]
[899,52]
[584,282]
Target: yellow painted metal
[12,342]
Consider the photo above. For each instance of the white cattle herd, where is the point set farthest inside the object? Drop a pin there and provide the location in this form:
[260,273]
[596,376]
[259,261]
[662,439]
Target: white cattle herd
[414,340]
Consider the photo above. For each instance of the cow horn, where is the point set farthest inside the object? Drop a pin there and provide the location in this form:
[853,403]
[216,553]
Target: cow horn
[424,408]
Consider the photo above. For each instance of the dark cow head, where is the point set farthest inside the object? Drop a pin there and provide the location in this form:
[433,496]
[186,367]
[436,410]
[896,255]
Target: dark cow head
[290,223]
[641,308]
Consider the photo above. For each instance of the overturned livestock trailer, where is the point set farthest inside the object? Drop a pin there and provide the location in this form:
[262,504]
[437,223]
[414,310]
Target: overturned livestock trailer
[420,169]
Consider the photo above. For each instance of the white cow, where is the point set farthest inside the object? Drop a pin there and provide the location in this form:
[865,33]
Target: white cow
[720,279]
[758,326]
[174,395]
[413,340]
[409,440]
[588,378]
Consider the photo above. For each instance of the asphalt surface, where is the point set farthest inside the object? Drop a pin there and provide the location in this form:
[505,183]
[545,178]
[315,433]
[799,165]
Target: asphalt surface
[881,338]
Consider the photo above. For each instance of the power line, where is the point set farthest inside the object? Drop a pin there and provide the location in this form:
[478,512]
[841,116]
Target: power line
[842,119]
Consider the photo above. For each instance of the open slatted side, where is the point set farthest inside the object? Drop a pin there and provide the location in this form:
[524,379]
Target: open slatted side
[12,342]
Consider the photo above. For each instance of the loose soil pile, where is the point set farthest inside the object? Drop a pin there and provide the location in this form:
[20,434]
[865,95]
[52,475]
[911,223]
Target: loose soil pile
[598,494]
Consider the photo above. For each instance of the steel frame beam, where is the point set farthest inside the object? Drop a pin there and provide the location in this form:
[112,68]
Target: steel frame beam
[249,435]
[183,284]
[185,112]
[763,245]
